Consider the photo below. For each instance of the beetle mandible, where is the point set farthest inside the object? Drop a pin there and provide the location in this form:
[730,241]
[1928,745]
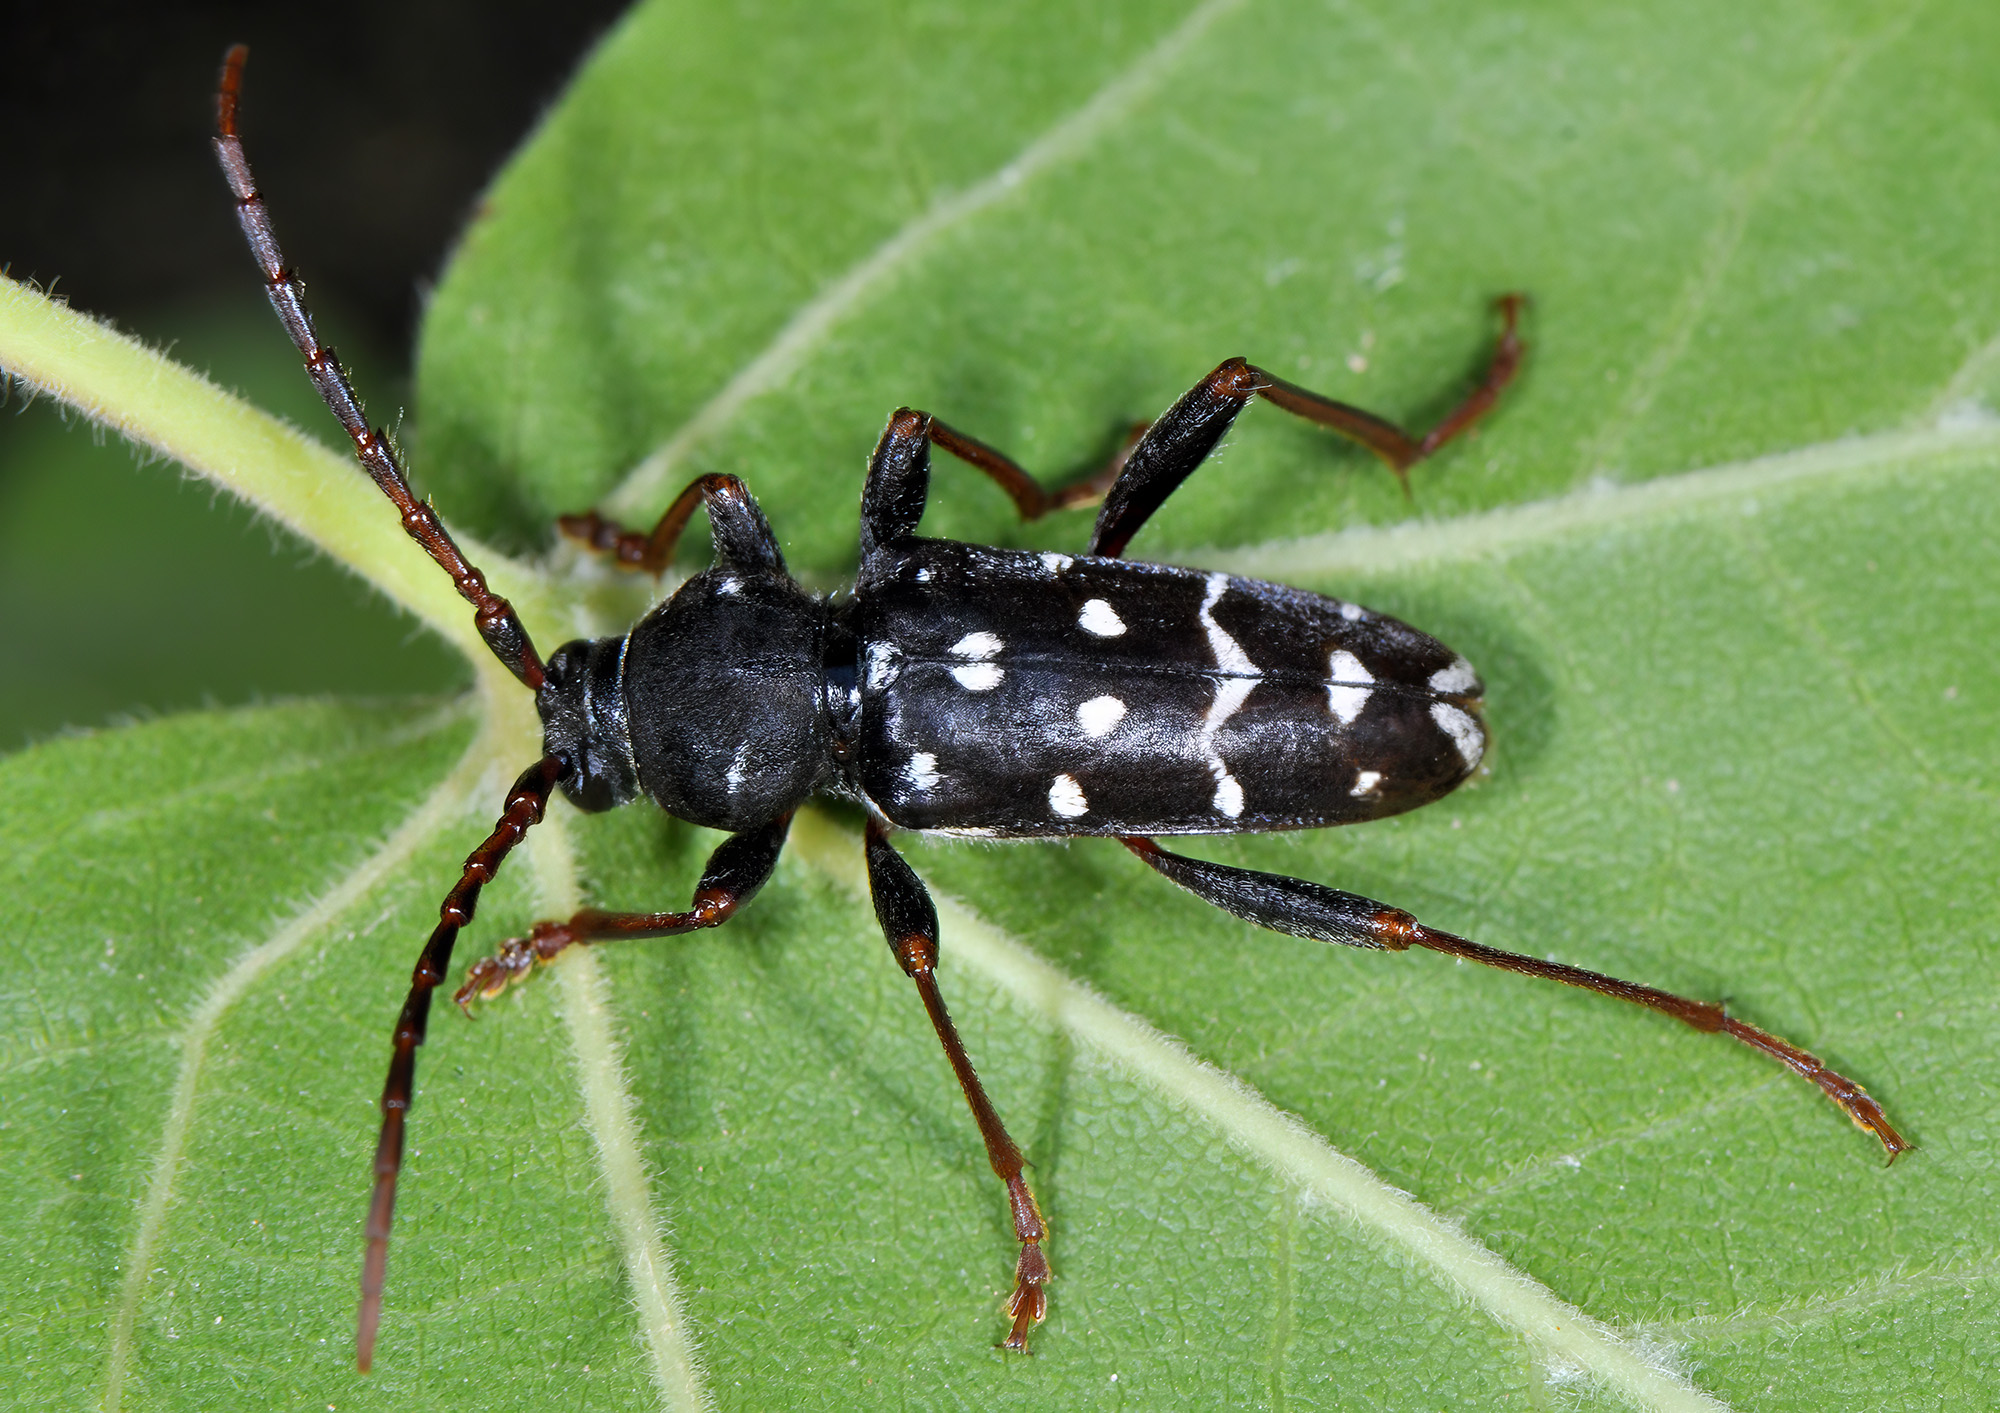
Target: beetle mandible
[967,691]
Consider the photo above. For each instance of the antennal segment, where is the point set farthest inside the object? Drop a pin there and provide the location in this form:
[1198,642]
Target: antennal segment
[495,618]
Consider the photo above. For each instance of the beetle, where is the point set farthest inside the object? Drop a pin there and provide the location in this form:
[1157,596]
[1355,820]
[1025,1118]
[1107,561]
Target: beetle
[972,692]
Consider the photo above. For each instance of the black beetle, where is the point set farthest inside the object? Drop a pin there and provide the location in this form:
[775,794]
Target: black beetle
[970,691]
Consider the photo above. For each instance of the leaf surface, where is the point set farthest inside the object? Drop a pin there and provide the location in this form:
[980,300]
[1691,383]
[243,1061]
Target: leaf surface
[1724,559]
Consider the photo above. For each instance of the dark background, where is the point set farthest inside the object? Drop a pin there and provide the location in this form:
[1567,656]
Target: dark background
[373,128]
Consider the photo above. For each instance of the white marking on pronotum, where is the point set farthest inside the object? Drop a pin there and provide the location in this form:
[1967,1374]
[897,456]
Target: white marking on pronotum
[1100,618]
[1230,693]
[882,668]
[1056,563]
[728,584]
[1455,680]
[1100,716]
[1365,783]
[923,576]
[1353,612]
[1463,730]
[1066,797]
[922,771]
[1346,693]
[739,767]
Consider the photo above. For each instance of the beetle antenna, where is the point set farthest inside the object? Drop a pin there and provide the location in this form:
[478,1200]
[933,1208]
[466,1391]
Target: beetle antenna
[494,617]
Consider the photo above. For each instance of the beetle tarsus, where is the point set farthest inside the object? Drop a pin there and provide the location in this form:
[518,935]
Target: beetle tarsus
[1854,1101]
[1030,1301]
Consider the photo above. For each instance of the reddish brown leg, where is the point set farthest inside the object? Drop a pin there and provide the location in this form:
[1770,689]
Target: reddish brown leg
[909,921]
[1325,914]
[525,805]
[736,870]
[1027,494]
[1396,447]
[494,617]
[1188,431]
[740,533]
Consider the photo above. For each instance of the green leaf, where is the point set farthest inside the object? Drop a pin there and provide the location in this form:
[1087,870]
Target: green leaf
[1723,558]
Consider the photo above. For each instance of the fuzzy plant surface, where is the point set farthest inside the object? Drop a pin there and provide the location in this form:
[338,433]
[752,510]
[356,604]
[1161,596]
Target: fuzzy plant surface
[1725,557]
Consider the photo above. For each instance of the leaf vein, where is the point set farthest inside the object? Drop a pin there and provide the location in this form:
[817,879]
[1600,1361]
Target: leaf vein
[1558,1332]
[611,1119]
[1509,530]
[809,327]
[444,803]
[1726,237]
[1797,1314]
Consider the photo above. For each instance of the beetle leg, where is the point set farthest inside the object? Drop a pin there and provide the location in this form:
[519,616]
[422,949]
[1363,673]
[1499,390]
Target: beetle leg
[899,480]
[1325,914]
[909,921]
[526,803]
[899,475]
[1396,447]
[1188,431]
[743,537]
[736,870]
[1026,492]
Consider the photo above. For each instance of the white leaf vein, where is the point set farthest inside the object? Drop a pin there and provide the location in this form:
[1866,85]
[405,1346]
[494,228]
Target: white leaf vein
[1726,237]
[610,1115]
[1561,1335]
[1602,508]
[444,804]
[808,328]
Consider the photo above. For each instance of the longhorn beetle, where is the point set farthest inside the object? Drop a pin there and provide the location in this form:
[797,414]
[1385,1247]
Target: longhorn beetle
[970,692]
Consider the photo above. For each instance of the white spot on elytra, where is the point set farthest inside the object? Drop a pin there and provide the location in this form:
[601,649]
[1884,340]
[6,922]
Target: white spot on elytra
[1365,783]
[1056,563]
[1346,691]
[1066,797]
[882,668]
[728,584]
[978,646]
[738,768]
[923,576]
[1100,716]
[922,771]
[978,676]
[1100,618]
[1455,680]
[1353,612]
[1463,730]
[1228,796]
[1231,692]
[1229,655]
